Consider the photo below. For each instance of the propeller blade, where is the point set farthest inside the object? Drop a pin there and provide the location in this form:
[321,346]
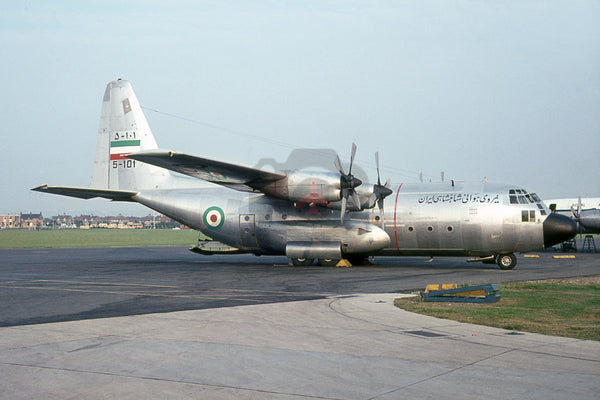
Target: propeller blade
[338,165]
[356,199]
[352,158]
[388,183]
[377,165]
[343,211]
[372,199]
[382,214]
[577,211]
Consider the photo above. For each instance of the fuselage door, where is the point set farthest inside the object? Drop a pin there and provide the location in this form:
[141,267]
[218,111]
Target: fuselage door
[248,231]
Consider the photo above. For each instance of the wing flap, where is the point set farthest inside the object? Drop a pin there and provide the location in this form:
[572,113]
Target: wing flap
[87,193]
[231,175]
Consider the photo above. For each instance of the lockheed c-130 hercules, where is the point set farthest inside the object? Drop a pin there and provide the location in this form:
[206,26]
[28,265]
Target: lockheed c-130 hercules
[327,216]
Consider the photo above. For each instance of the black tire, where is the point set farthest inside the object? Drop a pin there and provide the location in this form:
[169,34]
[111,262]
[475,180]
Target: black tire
[328,262]
[302,262]
[506,261]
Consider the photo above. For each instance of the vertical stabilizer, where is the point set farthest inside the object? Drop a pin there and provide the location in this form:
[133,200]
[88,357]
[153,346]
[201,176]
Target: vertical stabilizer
[124,130]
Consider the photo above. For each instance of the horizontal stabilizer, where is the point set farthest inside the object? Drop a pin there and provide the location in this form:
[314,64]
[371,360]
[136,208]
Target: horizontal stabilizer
[231,175]
[87,193]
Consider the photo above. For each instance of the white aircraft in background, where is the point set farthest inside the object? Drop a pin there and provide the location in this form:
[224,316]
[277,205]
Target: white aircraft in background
[586,211]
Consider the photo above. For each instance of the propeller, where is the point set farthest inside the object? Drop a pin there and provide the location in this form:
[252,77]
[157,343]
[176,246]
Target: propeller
[577,213]
[380,192]
[348,183]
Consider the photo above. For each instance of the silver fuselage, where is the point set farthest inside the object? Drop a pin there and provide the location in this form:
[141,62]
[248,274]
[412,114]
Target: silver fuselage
[473,219]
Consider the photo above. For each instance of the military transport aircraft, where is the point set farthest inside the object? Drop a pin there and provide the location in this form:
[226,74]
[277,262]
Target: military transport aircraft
[306,215]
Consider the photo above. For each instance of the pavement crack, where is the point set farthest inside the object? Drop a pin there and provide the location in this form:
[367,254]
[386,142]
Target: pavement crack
[450,371]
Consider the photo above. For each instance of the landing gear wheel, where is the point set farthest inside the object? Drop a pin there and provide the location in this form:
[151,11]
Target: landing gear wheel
[302,262]
[507,261]
[328,262]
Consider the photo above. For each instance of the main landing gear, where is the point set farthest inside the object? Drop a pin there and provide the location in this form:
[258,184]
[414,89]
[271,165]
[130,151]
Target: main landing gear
[504,261]
[327,262]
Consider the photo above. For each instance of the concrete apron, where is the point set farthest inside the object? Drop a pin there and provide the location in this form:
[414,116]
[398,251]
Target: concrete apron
[343,347]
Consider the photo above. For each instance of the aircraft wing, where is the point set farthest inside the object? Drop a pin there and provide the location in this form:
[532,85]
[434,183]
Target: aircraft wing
[231,175]
[87,193]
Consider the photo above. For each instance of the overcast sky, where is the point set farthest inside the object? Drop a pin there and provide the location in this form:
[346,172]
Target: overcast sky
[508,90]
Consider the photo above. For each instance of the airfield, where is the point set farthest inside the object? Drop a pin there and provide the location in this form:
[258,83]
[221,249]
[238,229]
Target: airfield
[162,322]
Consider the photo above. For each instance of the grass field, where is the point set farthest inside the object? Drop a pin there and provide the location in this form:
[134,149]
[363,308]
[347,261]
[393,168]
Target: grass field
[569,308]
[13,238]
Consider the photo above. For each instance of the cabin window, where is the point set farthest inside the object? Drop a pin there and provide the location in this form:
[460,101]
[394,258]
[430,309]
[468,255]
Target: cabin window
[430,228]
[528,216]
[450,228]
[410,229]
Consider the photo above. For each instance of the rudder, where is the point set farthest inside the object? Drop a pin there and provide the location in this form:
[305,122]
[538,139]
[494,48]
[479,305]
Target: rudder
[124,130]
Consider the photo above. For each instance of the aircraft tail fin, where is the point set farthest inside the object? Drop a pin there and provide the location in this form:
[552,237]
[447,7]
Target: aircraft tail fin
[124,130]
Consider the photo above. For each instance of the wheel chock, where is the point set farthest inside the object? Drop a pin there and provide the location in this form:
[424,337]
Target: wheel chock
[343,263]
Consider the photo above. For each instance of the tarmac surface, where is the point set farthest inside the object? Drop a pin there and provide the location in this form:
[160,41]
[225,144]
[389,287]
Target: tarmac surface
[161,322]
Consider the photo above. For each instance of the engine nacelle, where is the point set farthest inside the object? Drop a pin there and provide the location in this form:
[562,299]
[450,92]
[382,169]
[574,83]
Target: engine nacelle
[297,238]
[311,187]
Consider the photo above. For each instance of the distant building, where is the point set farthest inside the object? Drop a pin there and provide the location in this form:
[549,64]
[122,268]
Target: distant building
[10,221]
[65,221]
[32,221]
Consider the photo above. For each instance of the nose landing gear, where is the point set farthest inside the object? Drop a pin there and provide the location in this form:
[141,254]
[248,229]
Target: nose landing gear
[506,261]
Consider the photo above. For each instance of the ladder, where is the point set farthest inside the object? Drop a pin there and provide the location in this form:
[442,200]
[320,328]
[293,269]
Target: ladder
[589,244]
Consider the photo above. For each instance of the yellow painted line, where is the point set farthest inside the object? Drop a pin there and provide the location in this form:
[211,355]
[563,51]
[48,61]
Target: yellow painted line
[563,256]
[531,256]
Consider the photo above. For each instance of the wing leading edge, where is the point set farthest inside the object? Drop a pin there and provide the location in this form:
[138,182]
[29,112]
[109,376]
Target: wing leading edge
[231,175]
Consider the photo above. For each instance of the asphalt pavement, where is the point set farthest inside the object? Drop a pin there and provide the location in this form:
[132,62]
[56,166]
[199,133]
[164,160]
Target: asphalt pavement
[161,322]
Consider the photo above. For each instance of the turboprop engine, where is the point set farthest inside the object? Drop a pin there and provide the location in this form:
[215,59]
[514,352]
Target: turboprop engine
[311,187]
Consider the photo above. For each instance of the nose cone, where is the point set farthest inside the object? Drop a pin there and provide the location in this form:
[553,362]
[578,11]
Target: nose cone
[558,228]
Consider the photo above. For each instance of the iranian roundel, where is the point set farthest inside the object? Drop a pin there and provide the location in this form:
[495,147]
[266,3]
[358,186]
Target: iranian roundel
[214,218]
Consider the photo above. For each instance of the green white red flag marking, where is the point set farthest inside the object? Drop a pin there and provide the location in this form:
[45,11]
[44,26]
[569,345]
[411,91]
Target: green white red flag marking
[213,218]
[119,149]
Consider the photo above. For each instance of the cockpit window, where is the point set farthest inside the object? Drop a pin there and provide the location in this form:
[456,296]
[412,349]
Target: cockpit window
[520,196]
[536,198]
[522,199]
